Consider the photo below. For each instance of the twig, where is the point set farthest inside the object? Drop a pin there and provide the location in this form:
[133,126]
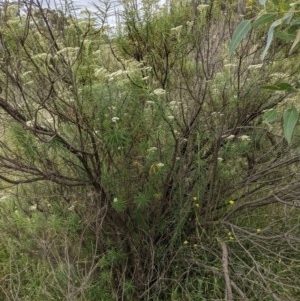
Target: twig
[228,293]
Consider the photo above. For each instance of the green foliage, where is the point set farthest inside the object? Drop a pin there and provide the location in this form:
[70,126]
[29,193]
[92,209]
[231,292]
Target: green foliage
[141,162]
[239,34]
[288,31]
[287,24]
[290,119]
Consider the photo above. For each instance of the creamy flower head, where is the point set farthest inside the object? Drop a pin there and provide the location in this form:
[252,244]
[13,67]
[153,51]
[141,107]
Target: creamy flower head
[152,149]
[32,207]
[69,54]
[257,66]
[201,7]
[177,29]
[173,105]
[26,73]
[40,56]
[160,165]
[116,73]
[115,119]
[30,123]
[68,50]
[159,91]
[229,65]
[245,138]
[279,75]
[100,71]
[71,208]
[230,137]
[150,102]
[190,24]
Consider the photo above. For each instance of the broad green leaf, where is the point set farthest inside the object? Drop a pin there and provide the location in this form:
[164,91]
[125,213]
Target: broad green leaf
[290,119]
[264,19]
[239,34]
[270,116]
[280,87]
[296,42]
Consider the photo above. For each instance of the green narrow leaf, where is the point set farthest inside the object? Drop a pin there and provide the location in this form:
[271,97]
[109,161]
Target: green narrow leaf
[142,200]
[290,119]
[279,87]
[239,34]
[264,19]
[285,87]
[285,19]
[270,37]
[282,35]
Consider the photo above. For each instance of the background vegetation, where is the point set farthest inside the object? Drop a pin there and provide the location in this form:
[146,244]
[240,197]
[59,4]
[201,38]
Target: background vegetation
[142,162]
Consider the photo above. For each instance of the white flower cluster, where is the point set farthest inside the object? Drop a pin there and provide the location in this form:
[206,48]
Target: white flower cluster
[230,137]
[69,54]
[171,117]
[244,138]
[115,119]
[117,73]
[174,105]
[100,72]
[202,7]
[190,25]
[177,29]
[159,92]
[152,149]
[229,65]
[41,56]
[257,66]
